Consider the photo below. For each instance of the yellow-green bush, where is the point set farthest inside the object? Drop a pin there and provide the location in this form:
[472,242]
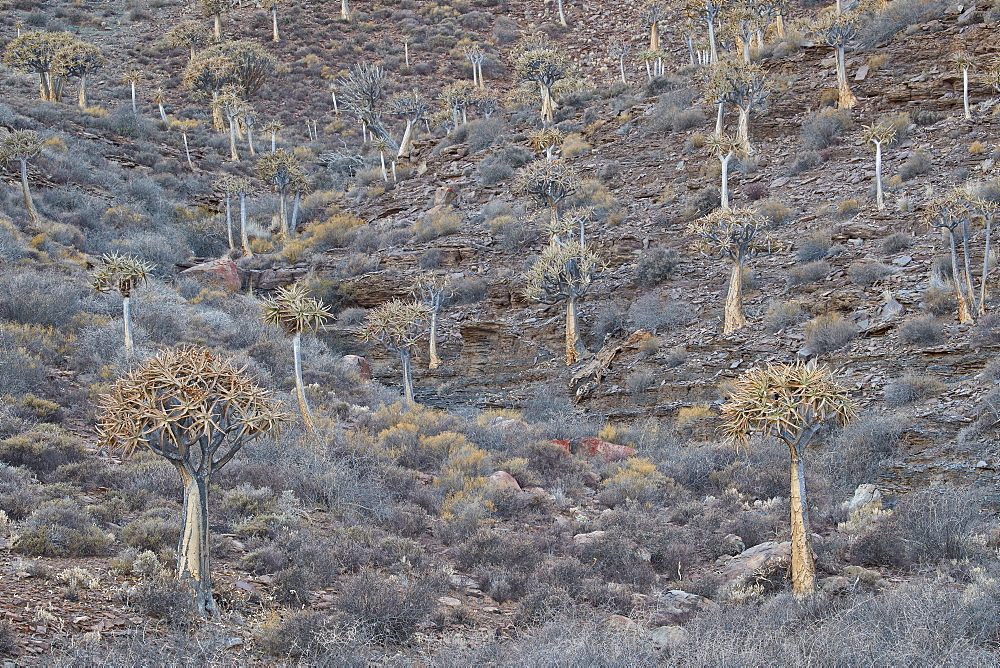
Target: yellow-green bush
[638,479]
[436,225]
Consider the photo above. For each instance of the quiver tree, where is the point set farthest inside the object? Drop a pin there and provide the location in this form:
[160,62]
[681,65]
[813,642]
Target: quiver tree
[564,272]
[241,63]
[548,182]
[876,136]
[184,127]
[232,108]
[122,274]
[213,9]
[965,62]
[745,21]
[653,60]
[191,35]
[790,402]
[131,78]
[476,58]
[651,17]
[363,93]
[708,11]
[954,214]
[737,235]
[458,97]
[35,52]
[273,6]
[226,184]
[22,146]
[546,139]
[545,66]
[562,13]
[159,97]
[248,120]
[397,325]
[345,11]
[243,187]
[294,311]
[837,33]
[272,127]
[280,169]
[724,148]
[746,88]
[381,145]
[412,109]
[619,50]
[77,60]
[432,292]
[195,410]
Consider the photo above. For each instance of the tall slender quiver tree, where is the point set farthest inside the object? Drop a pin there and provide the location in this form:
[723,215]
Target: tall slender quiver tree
[159,97]
[243,187]
[545,66]
[965,62]
[790,402]
[213,9]
[22,146]
[132,77]
[736,235]
[619,50]
[397,325]
[837,33]
[412,108]
[121,274]
[191,35]
[564,273]
[294,311]
[548,182]
[273,6]
[226,184]
[34,52]
[724,148]
[877,135]
[432,293]
[196,411]
[280,169]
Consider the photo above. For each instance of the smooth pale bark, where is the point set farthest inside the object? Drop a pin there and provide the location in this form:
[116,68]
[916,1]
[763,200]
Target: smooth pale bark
[244,240]
[432,353]
[562,14]
[193,565]
[127,319]
[548,106]
[300,389]
[803,566]
[654,36]
[163,112]
[573,344]
[970,287]
[345,11]
[779,25]
[29,203]
[720,118]
[250,140]
[233,155]
[743,129]
[746,50]
[385,172]
[847,99]
[986,265]
[55,88]
[295,210]
[217,27]
[404,143]
[43,86]
[406,52]
[964,312]
[621,68]
[229,220]
[724,159]
[879,198]
[336,110]
[283,214]
[404,361]
[274,25]
[273,141]
[217,121]
[965,93]
[733,318]
[132,86]
[81,99]
[187,151]
[649,71]
[713,50]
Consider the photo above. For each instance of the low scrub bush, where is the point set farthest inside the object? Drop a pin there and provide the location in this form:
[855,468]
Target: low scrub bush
[896,242]
[866,273]
[389,609]
[821,128]
[815,247]
[783,314]
[167,599]
[652,313]
[911,388]
[61,528]
[42,450]
[808,273]
[922,330]
[829,332]
[656,265]
[436,225]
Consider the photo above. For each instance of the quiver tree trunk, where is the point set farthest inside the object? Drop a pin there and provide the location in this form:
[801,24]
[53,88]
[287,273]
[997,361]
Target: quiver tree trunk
[229,221]
[193,566]
[803,566]
[965,93]
[847,99]
[300,389]
[187,151]
[743,129]
[345,11]
[81,99]
[733,317]
[283,213]
[233,155]
[432,353]
[720,117]
[964,312]
[132,87]
[986,264]
[244,240]
[163,113]
[127,320]
[29,203]
[779,25]
[404,363]
[562,14]
[724,159]
[404,143]
[573,344]
[43,87]
[217,27]
[879,197]
[548,105]
[274,24]
[218,123]
[713,51]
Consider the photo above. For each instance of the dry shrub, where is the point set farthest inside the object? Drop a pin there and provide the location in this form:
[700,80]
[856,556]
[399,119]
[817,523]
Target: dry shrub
[390,609]
[922,330]
[808,273]
[829,332]
[866,273]
[912,387]
[783,314]
[436,225]
[656,265]
[61,528]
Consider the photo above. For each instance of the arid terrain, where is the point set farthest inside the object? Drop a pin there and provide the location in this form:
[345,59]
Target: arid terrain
[302,193]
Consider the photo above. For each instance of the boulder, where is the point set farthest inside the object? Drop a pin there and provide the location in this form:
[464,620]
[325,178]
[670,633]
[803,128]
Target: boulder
[668,637]
[216,273]
[609,452]
[623,624]
[504,480]
[358,364]
[677,606]
[835,584]
[562,444]
[759,558]
[582,539]
[865,495]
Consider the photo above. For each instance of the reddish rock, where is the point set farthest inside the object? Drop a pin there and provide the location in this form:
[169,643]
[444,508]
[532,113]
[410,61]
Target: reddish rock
[610,452]
[220,273]
[504,480]
[359,364]
[562,444]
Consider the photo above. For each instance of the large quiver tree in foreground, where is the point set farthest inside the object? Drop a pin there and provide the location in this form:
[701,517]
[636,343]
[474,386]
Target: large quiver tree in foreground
[790,402]
[196,410]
